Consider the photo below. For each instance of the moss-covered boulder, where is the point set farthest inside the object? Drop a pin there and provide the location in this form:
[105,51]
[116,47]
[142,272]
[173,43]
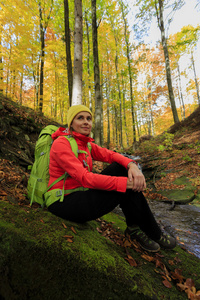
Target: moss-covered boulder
[182,195]
[44,257]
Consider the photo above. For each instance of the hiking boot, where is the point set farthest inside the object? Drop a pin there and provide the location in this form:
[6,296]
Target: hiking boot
[145,242]
[166,241]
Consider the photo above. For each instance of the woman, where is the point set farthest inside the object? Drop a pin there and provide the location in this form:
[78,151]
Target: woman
[121,183]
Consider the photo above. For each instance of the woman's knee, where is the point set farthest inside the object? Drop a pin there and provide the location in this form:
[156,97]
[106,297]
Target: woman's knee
[115,169]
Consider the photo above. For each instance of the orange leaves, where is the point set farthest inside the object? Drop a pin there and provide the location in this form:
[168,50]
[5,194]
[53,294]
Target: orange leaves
[131,261]
[69,237]
[189,288]
[11,182]
[73,230]
[63,224]
[3,193]
[147,257]
[167,284]
[168,276]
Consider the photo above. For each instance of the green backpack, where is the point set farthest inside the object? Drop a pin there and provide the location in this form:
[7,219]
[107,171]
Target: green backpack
[37,189]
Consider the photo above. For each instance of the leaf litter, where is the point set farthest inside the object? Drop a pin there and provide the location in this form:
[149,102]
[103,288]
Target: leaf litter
[186,285]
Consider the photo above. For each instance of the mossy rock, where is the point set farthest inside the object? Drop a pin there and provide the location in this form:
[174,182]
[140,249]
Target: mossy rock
[37,262]
[180,196]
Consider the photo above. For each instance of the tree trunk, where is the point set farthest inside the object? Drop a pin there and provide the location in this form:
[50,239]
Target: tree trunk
[88,63]
[42,42]
[116,127]
[124,110]
[1,70]
[108,113]
[78,40]
[195,78]
[68,50]
[166,55]
[21,89]
[181,94]
[129,71]
[119,94]
[98,98]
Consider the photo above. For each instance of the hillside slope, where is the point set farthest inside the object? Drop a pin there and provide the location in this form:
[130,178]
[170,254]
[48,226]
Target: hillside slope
[44,257]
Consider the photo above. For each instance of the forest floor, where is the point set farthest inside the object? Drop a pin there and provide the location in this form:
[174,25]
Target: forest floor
[165,159]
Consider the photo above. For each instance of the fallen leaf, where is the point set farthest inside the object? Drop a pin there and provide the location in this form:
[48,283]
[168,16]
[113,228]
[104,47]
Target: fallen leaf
[189,283]
[72,229]
[131,261]
[63,224]
[70,240]
[147,257]
[3,193]
[99,230]
[176,275]
[181,286]
[68,236]
[167,284]
[127,243]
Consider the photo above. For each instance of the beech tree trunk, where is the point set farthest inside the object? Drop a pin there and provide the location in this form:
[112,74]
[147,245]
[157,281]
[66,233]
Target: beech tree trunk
[41,87]
[124,110]
[195,78]
[1,70]
[68,50]
[181,94]
[119,93]
[43,26]
[78,40]
[98,98]
[129,71]
[166,55]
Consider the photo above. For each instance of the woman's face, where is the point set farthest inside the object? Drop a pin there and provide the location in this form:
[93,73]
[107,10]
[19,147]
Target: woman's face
[82,123]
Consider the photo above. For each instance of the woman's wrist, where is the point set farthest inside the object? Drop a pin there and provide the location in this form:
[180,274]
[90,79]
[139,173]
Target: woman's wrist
[131,162]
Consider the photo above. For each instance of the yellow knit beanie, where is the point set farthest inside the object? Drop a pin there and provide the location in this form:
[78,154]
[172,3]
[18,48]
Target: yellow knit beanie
[74,110]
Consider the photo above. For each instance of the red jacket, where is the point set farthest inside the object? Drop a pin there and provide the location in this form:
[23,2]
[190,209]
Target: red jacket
[62,159]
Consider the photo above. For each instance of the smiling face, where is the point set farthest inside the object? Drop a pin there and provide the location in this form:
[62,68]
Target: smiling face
[82,123]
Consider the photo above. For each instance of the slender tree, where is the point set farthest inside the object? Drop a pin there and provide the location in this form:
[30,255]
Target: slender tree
[98,98]
[88,61]
[160,18]
[44,20]
[68,50]
[128,55]
[149,9]
[78,48]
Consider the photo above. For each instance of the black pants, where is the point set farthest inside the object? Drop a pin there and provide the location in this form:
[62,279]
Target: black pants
[89,205]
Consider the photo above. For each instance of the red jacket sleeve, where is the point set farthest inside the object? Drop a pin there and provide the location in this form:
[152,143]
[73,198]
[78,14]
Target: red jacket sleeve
[105,155]
[63,156]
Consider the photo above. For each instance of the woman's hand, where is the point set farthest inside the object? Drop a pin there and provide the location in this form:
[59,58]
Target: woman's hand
[136,180]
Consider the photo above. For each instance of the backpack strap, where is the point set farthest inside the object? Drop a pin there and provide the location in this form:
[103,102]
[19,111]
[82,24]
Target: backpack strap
[73,144]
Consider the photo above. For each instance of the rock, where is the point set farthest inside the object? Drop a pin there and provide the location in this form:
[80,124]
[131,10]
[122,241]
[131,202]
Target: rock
[38,262]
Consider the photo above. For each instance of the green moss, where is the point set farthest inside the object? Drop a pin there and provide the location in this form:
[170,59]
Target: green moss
[37,261]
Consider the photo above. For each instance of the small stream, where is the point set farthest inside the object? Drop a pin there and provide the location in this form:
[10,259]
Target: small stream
[183,222]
